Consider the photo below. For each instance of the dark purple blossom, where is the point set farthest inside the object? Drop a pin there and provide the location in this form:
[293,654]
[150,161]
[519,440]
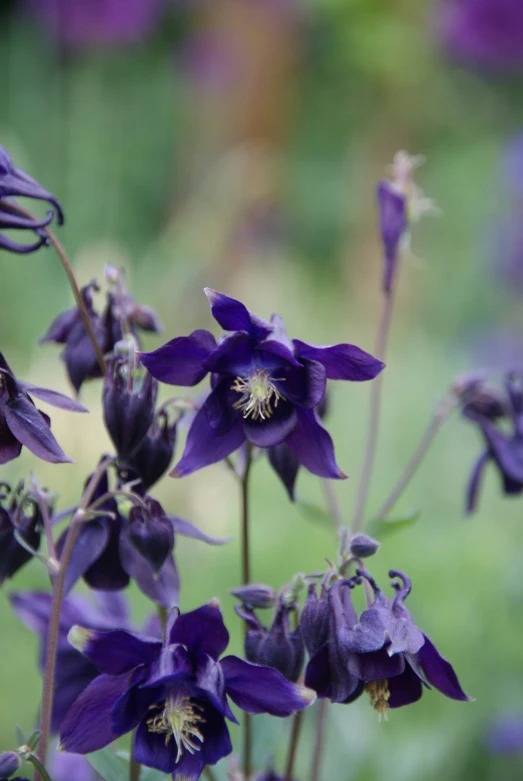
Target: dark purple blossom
[174,694]
[22,424]
[20,513]
[74,672]
[14,182]
[265,387]
[10,762]
[152,458]
[505,450]
[483,33]
[314,620]
[112,549]
[383,653]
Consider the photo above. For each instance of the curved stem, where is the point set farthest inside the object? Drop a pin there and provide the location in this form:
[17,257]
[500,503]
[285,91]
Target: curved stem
[54,620]
[372,436]
[317,752]
[66,263]
[293,745]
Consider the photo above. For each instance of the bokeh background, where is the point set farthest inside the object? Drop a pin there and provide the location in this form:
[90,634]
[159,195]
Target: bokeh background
[237,144]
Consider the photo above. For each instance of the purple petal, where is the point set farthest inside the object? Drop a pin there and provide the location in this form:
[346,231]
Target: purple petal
[88,725]
[180,361]
[393,223]
[61,326]
[404,689]
[10,447]
[235,355]
[439,672]
[507,452]
[318,673]
[173,666]
[313,446]
[210,682]
[114,651]
[219,408]
[475,481]
[274,352]
[375,665]
[30,427]
[341,361]
[152,750]
[274,430]
[286,466]
[162,587]
[205,446]
[91,542]
[304,386]
[53,397]
[257,689]
[201,631]
[232,315]
[188,529]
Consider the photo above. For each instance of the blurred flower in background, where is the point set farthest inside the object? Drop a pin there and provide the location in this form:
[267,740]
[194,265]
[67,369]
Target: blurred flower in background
[505,734]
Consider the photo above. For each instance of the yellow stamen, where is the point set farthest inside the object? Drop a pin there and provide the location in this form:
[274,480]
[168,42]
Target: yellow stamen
[179,719]
[379,696]
[259,396]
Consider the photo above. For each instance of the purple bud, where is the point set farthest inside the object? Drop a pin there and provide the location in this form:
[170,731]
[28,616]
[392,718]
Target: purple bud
[152,458]
[151,532]
[255,595]
[314,620]
[362,546]
[10,762]
[393,224]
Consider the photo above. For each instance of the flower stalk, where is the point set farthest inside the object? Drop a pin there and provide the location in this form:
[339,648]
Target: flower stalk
[293,745]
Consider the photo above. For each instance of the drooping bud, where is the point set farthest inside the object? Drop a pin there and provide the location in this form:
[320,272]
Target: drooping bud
[277,647]
[128,406]
[151,460]
[255,595]
[363,546]
[314,620]
[10,762]
[151,532]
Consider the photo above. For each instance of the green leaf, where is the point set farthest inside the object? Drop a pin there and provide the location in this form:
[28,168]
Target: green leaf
[108,765]
[20,737]
[381,527]
[150,774]
[32,740]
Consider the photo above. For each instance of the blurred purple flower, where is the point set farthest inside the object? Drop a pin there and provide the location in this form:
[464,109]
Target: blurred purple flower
[71,767]
[505,734]
[484,33]
[83,24]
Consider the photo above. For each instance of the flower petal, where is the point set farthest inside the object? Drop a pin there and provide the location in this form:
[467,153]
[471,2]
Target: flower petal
[257,689]
[180,361]
[274,430]
[404,689]
[152,750]
[506,451]
[206,446]
[188,529]
[375,665]
[232,315]
[201,631]
[90,544]
[88,725]
[313,447]
[439,672]
[475,481]
[304,386]
[31,428]
[53,397]
[114,651]
[286,466]
[318,672]
[341,361]
[162,587]
[10,447]
[235,355]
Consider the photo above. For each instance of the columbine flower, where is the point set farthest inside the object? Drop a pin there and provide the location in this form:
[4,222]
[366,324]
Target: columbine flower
[20,512]
[174,694]
[14,182]
[506,451]
[265,388]
[22,424]
[112,549]
[74,672]
[384,653]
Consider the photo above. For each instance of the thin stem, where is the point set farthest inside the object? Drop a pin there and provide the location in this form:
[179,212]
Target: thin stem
[293,745]
[54,620]
[66,263]
[247,747]
[412,466]
[47,526]
[317,752]
[246,577]
[372,436]
[208,772]
[134,767]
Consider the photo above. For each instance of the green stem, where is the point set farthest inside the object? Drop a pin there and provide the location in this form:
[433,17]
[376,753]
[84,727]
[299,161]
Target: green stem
[134,767]
[317,752]
[293,745]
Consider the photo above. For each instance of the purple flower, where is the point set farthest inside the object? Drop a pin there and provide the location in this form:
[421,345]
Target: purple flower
[74,672]
[14,182]
[80,25]
[22,424]
[71,767]
[505,734]
[392,207]
[20,512]
[484,33]
[505,450]
[112,549]
[265,388]
[383,653]
[174,694]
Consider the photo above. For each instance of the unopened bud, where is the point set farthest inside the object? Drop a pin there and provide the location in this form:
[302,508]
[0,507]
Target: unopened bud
[10,762]
[255,595]
[314,621]
[362,546]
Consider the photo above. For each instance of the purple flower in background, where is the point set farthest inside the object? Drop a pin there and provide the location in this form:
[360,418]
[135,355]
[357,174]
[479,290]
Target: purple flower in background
[71,767]
[392,207]
[504,734]
[383,653]
[74,672]
[175,694]
[14,182]
[22,424]
[484,33]
[265,388]
[78,24]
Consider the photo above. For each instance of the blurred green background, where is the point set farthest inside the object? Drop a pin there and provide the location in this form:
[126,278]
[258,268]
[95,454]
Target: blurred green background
[237,144]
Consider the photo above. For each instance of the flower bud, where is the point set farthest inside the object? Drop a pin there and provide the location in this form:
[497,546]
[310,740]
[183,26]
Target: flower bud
[362,546]
[151,532]
[255,595]
[28,526]
[152,458]
[314,620]
[10,762]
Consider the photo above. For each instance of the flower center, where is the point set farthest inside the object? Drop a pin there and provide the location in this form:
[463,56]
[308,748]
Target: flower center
[259,396]
[179,719]
[379,696]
